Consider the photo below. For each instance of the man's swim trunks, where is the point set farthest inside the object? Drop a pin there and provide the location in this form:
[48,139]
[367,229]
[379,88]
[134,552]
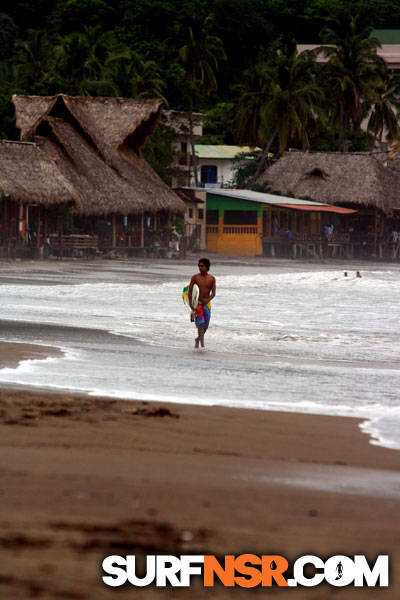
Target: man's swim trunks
[203,314]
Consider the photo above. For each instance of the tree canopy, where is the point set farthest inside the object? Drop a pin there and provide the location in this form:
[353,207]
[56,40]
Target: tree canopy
[234,60]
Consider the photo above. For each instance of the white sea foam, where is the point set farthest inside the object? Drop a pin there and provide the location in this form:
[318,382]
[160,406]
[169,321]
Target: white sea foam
[311,341]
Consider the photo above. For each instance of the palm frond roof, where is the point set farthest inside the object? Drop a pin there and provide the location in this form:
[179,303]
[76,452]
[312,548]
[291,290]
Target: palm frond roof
[98,144]
[335,178]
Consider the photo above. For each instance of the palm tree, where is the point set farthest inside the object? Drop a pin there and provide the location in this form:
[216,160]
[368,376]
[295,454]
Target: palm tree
[385,102]
[72,53]
[100,45]
[295,100]
[283,105]
[353,68]
[94,63]
[35,66]
[133,75]
[200,57]
[255,92]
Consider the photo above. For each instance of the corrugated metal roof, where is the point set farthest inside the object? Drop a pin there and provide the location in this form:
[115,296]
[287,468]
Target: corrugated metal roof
[387,36]
[262,197]
[281,201]
[227,152]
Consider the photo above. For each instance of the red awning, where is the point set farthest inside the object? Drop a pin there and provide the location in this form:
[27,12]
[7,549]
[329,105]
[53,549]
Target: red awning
[308,207]
[186,198]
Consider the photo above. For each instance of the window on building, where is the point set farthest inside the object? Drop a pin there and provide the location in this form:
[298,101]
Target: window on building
[284,221]
[240,217]
[190,213]
[209,174]
[212,217]
[184,147]
[201,213]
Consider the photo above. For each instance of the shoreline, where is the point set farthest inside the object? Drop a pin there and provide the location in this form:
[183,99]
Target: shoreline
[13,353]
[102,476]
[352,425]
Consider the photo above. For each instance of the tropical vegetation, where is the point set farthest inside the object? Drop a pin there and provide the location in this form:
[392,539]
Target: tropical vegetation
[233,60]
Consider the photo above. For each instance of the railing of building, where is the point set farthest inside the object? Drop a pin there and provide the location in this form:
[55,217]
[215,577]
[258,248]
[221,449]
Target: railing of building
[252,229]
[218,184]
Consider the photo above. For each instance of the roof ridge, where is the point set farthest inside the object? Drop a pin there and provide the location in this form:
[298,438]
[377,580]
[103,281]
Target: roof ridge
[19,142]
[333,152]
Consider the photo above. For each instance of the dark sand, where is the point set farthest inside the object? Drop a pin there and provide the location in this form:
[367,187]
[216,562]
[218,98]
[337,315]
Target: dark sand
[12,354]
[82,478]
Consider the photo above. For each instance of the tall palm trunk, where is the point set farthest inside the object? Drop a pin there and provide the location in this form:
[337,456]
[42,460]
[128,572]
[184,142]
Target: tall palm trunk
[264,156]
[193,159]
[341,140]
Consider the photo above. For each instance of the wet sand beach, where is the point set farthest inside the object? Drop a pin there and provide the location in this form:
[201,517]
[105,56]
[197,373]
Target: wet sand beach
[83,478]
[12,354]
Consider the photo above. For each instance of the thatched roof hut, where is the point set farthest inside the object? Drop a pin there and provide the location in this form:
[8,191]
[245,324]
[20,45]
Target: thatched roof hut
[97,143]
[28,175]
[359,179]
[100,188]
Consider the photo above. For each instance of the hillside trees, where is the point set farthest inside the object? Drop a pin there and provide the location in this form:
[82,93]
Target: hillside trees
[200,56]
[280,102]
[384,104]
[353,68]
[175,49]
[289,98]
[133,75]
[34,62]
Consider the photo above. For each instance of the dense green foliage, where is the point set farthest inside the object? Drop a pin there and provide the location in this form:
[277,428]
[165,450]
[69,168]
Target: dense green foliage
[235,60]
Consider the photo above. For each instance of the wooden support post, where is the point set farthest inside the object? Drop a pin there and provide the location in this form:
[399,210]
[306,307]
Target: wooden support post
[45,222]
[5,224]
[114,233]
[38,227]
[7,216]
[142,230]
[39,247]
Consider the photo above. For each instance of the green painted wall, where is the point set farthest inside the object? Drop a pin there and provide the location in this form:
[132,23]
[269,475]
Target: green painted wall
[222,203]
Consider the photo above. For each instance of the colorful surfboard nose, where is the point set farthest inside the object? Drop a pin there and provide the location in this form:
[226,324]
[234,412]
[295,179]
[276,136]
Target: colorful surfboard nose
[195,296]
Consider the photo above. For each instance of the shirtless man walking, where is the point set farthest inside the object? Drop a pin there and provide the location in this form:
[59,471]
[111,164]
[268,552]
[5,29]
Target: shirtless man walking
[206,283]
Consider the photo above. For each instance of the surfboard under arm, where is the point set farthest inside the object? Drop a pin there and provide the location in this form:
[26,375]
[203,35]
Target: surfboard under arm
[195,296]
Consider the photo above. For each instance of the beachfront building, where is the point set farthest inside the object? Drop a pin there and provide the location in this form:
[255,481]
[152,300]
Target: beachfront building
[216,164]
[34,195]
[365,182]
[94,146]
[390,47]
[249,223]
[195,218]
